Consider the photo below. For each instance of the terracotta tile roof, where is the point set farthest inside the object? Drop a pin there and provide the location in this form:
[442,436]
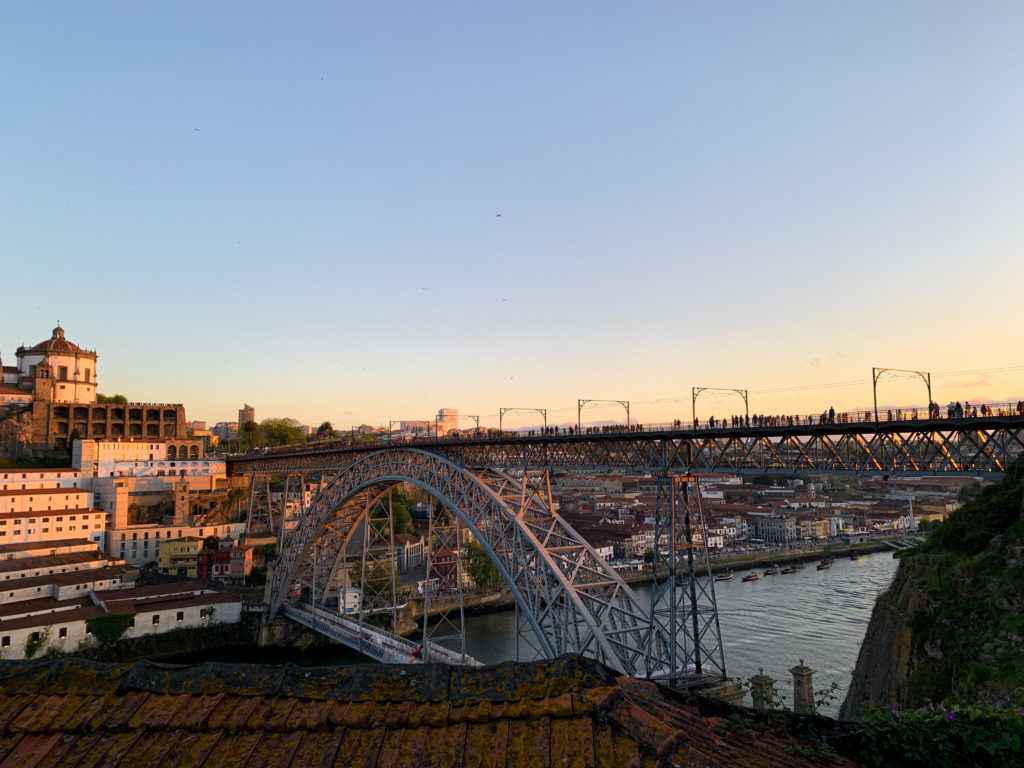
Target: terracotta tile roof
[567,712]
[56,490]
[41,605]
[67,559]
[123,572]
[49,619]
[30,546]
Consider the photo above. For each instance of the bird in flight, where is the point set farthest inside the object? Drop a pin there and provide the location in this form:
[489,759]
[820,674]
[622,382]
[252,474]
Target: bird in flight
[498,216]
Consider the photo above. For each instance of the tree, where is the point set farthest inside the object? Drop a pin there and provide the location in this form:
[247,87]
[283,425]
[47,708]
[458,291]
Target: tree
[325,431]
[118,399]
[481,568]
[281,431]
[377,578]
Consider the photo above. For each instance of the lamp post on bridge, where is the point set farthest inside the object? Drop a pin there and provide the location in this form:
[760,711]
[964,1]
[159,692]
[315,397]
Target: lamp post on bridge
[476,420]
[581,403]
[876,374]
[741,392]
[502,411]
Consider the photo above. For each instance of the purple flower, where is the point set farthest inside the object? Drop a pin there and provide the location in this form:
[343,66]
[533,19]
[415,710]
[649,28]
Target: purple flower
[951,716]
[999,704]
[895,712]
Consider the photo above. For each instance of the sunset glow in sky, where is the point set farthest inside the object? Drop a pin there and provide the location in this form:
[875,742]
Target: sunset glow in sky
[368,211]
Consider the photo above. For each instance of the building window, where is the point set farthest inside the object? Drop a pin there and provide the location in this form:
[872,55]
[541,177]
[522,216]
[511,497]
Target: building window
[156,619]
[5,642]
[181,616]
[63,632]
[131,623]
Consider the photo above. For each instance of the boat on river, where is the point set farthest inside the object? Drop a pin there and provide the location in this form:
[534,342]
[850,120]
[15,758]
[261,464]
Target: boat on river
[772,571]
[789,569]
[723,576]
[751,577]
[824,564]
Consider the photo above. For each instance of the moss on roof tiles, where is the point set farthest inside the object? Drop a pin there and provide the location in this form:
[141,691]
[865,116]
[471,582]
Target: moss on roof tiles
[562,712]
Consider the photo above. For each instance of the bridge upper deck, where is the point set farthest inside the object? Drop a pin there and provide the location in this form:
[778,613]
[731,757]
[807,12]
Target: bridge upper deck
[969,445]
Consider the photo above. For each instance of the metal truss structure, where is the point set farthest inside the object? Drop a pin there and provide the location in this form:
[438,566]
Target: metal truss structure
[444,587]
[261,511]
[932,446]
[684,605]
[378,580]
[570,598]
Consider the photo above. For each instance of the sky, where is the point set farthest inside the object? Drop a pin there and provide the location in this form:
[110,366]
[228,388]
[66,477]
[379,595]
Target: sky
[362,212]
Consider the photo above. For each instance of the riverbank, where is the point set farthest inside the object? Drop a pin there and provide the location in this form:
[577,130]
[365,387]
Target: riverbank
[782,557]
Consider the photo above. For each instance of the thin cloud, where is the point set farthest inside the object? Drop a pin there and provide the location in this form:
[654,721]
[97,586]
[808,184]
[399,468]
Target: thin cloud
[815,362]
[982,382]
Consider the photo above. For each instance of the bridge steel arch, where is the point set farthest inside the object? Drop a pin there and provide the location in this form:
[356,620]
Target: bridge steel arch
[571,598]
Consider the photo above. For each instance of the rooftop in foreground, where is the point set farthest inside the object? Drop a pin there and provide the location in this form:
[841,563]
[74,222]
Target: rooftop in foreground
[570,711]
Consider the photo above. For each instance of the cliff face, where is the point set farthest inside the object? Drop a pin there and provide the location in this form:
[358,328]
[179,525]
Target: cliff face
[886,655]
[950,628]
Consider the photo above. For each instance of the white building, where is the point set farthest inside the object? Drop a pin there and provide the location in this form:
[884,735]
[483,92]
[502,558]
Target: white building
[22,479]
[72,369]
[64,623]
[29,515]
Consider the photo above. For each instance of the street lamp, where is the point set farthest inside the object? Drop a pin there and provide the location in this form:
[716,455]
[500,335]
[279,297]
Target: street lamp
[581,403]
[502,411]
[876,374]
[741,392]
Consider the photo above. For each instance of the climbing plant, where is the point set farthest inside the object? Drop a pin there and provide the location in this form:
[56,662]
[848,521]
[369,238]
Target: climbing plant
[110,627]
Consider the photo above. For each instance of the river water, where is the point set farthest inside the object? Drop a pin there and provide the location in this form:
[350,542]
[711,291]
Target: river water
[817,616]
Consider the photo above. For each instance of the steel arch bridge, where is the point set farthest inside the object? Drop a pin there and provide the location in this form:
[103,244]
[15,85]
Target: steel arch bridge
[572,600]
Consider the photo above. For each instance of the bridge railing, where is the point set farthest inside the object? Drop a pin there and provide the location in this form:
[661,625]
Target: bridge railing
[949,413]
[371,641]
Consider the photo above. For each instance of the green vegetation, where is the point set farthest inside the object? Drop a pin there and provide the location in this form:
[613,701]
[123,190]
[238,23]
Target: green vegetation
[119,399]
[936,737]
[480,567]
[36,642]
[968,630]
[378,580]
[109,628]
[401,509]
[25,461]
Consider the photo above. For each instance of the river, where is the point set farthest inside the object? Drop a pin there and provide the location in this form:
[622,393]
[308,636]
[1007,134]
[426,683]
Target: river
[817,616]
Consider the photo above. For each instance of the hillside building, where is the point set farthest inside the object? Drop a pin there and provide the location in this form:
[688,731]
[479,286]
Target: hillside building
[53,390]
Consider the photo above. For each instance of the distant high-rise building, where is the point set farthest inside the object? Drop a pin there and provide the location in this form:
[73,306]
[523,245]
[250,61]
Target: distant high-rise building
[225,430]
[246,414]
[448,418]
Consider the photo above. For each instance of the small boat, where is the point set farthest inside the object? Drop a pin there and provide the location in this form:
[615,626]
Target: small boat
[723,576]
[771,571]
[751,577]
[789,569]
[854,556]
[799,565]
[824,564]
